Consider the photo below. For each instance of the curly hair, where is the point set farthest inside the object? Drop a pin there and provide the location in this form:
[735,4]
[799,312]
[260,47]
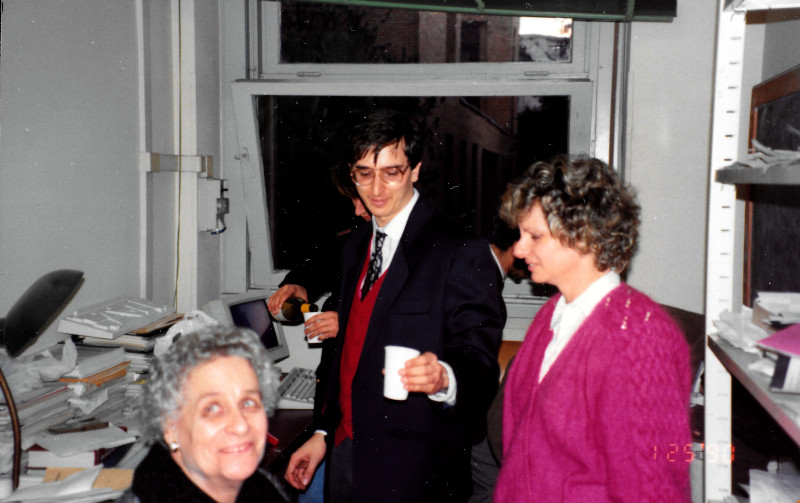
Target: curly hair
[163,393]
[586,205]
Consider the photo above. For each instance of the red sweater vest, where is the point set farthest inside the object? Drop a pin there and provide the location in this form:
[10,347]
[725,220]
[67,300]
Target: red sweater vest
[355,333]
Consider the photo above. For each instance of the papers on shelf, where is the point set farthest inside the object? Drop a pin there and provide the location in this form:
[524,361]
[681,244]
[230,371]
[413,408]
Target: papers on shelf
[765,158]
[78,487]
[738,329]
[91,360]
[780,308]
[81,441]
[767,487]
[765,366]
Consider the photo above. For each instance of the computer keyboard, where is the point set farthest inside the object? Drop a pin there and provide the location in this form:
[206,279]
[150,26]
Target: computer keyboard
[296,390]
[114,317]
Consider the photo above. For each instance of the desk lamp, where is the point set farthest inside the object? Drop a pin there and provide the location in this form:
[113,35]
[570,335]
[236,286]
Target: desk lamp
[31,314]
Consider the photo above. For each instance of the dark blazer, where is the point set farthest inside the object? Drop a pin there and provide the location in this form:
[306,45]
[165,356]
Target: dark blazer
[321,273]
[440,294]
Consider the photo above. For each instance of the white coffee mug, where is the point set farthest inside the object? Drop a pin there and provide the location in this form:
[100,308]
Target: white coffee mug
[396,358]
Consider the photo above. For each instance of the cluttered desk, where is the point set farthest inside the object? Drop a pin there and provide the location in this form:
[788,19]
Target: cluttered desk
[79,411]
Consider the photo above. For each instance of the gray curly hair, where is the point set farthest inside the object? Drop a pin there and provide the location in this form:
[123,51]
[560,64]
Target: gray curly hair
[163,392]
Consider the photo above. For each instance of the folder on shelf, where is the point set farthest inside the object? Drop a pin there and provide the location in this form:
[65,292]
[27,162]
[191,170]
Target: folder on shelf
[786,341]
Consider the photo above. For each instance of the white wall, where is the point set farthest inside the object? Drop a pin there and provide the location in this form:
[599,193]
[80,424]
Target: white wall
[69,182]
[75,116]
[68,158]
[782,43]
[667,151]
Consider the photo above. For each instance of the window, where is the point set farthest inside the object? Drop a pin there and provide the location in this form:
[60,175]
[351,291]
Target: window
[470,153]
[336,39]
[492,105]
[309,131]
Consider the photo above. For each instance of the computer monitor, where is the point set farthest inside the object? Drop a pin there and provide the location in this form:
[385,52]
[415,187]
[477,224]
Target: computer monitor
[250,311]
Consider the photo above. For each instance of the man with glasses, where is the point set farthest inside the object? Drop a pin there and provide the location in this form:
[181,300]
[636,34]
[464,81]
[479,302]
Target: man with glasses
[413,279]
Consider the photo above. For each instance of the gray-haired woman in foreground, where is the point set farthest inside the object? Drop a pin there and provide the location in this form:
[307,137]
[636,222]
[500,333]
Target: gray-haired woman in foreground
[204,410]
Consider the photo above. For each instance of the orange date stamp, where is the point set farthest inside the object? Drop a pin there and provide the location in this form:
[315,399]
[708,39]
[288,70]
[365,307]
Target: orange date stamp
[677,453]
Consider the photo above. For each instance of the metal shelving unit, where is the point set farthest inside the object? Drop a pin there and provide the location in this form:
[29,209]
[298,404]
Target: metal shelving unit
[777,175]
[720,274]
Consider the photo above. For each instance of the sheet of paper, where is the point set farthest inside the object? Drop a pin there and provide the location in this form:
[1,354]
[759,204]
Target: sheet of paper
[82,441]
[738,329]
[81,482]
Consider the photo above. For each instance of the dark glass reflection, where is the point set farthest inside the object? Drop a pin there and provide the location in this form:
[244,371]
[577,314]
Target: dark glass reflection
[323,33]
[471,153]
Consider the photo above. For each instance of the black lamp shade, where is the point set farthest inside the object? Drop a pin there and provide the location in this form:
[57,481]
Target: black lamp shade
[36,308]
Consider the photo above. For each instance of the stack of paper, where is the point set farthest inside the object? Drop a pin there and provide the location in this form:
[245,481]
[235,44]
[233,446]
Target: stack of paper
[38,410]
[81,486]
[739,330]
[113,318]
[97,365]
[777,309]
[764,158]
[92,360]
[86,448]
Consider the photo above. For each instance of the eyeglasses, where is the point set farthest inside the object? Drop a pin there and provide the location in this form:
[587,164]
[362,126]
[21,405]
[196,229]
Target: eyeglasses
[391,176]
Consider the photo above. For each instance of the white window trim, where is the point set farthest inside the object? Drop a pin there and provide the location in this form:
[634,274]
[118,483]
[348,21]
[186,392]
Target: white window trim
[271,65]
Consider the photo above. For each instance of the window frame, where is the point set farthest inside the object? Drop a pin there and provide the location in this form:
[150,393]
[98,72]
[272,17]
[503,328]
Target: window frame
[270,64]
[245,247]
[262,273]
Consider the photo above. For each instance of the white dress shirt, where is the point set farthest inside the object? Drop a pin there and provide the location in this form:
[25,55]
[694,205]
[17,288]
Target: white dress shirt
[394,231]
[568,317]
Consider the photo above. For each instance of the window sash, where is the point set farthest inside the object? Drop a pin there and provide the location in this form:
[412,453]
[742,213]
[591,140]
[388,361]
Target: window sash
[600,10]
[250,175]
[270,62]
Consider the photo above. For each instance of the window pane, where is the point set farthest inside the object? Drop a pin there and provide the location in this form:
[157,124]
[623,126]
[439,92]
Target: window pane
[322,33]
[472,149]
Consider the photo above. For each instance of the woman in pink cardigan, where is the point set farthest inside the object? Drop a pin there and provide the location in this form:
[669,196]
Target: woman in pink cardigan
[596,403]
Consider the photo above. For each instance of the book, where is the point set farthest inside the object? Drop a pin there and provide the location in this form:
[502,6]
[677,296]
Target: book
[112,318]
[128,341]
[92,360]
[785,341]
[101,377]
[141,343]
[42,406]
[39,457]
[786,377]
[34,394]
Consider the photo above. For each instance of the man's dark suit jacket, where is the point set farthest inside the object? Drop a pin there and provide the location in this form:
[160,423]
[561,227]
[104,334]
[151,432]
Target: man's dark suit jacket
[321,273]
[441,294]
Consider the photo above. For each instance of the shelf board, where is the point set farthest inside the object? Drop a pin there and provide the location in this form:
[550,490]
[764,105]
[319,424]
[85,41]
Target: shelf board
[750,5]
[781,406]
[776,175]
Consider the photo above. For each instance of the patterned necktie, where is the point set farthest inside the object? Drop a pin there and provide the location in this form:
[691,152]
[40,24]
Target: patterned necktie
[375,262]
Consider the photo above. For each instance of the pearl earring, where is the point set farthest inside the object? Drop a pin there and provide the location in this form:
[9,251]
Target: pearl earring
[174,446]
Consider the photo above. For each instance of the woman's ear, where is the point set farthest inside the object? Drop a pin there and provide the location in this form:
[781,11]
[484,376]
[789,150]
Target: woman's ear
[170,434]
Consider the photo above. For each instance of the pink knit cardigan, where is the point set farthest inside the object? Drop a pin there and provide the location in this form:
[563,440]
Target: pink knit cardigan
[610,420]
